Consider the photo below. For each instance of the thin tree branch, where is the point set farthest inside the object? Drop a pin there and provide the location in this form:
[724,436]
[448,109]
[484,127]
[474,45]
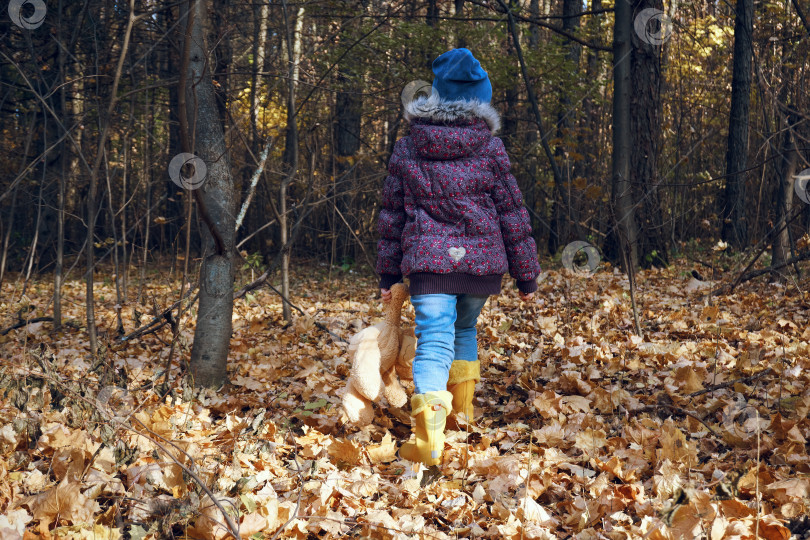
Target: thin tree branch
[553,28]
[24,323]
[253,181]
[801,15]
[558,176]
[727,384]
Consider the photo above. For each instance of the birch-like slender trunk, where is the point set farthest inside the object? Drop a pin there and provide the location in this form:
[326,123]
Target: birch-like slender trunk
[93,185]
[116,262]
[786,171]
[64,160]
[202,135]
[33,252]
[291,148]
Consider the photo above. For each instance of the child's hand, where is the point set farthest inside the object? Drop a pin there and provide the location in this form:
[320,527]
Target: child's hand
[526,297]
[385,294]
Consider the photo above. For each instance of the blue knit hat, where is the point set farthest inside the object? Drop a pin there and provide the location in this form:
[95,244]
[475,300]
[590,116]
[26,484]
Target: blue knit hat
[460,76]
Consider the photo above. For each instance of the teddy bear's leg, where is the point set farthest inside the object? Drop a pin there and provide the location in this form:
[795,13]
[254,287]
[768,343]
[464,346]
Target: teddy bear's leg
[358,409]
[407,351]
[393,390]
[365,370]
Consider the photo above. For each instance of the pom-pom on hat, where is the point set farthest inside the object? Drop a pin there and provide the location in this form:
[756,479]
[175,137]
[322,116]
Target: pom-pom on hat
[459,76]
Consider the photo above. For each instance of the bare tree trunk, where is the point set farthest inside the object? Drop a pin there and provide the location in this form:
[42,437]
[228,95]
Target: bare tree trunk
[590,120]
[119,302]
[564,219]
[625,229]
[90,305]
[60,216]
[7,237]
[13,206]
[645,129]
[127,161]
[291,148]
[147,179]
[215,204]
[535,107]
[510,118]
[786,171]
[732,214]
[432,14]
[92,191]
[33,252]
[530,195]
[458,6]
[64,159]
[260,16]
[348,121]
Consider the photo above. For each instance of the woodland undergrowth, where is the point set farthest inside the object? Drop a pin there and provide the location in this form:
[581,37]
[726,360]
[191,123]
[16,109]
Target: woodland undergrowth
[698,428]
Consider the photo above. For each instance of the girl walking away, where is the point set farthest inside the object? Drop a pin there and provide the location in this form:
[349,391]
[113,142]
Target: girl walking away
[453,222]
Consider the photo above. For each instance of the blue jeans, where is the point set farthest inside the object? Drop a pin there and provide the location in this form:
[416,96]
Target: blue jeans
[445,331]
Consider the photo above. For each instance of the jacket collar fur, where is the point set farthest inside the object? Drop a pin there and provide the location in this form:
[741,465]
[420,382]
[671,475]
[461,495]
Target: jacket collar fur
[437,109]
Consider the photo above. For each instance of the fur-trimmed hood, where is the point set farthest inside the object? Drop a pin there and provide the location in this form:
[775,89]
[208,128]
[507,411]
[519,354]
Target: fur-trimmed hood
[437,109]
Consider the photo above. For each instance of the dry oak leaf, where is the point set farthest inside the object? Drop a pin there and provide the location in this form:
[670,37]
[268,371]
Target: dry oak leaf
[63,501]
[615,467]
[784,490]
[346,451]
[550,435]
[547,403]
[591,440]
[56,435]
[688,380]
[668,480]
[573,404]
[210,525]
[529,511]
[380,525]
[384,452]
[687,520]
[754,481]
[312,443]
[735,509]
[674,445]
[771,529]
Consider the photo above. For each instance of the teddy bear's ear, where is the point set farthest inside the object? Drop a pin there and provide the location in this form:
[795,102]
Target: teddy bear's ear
[399,293]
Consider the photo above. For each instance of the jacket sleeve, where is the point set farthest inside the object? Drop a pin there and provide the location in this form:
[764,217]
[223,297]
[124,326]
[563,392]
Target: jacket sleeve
[516,229]
[391,222]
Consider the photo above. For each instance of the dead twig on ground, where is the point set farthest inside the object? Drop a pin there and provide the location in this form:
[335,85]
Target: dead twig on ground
[22,323]
[727,384]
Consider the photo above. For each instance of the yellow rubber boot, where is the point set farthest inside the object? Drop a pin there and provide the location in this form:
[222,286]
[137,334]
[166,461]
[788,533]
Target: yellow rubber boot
[429,412]
[461,383]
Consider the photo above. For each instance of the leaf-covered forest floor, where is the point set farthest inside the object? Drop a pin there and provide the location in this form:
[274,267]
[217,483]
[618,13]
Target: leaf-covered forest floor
[697,430]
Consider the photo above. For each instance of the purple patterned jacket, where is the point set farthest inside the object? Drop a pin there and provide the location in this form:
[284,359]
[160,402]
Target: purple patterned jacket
[452,216]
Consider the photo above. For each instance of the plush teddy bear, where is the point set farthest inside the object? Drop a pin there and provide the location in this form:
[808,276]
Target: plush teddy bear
[380,356]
